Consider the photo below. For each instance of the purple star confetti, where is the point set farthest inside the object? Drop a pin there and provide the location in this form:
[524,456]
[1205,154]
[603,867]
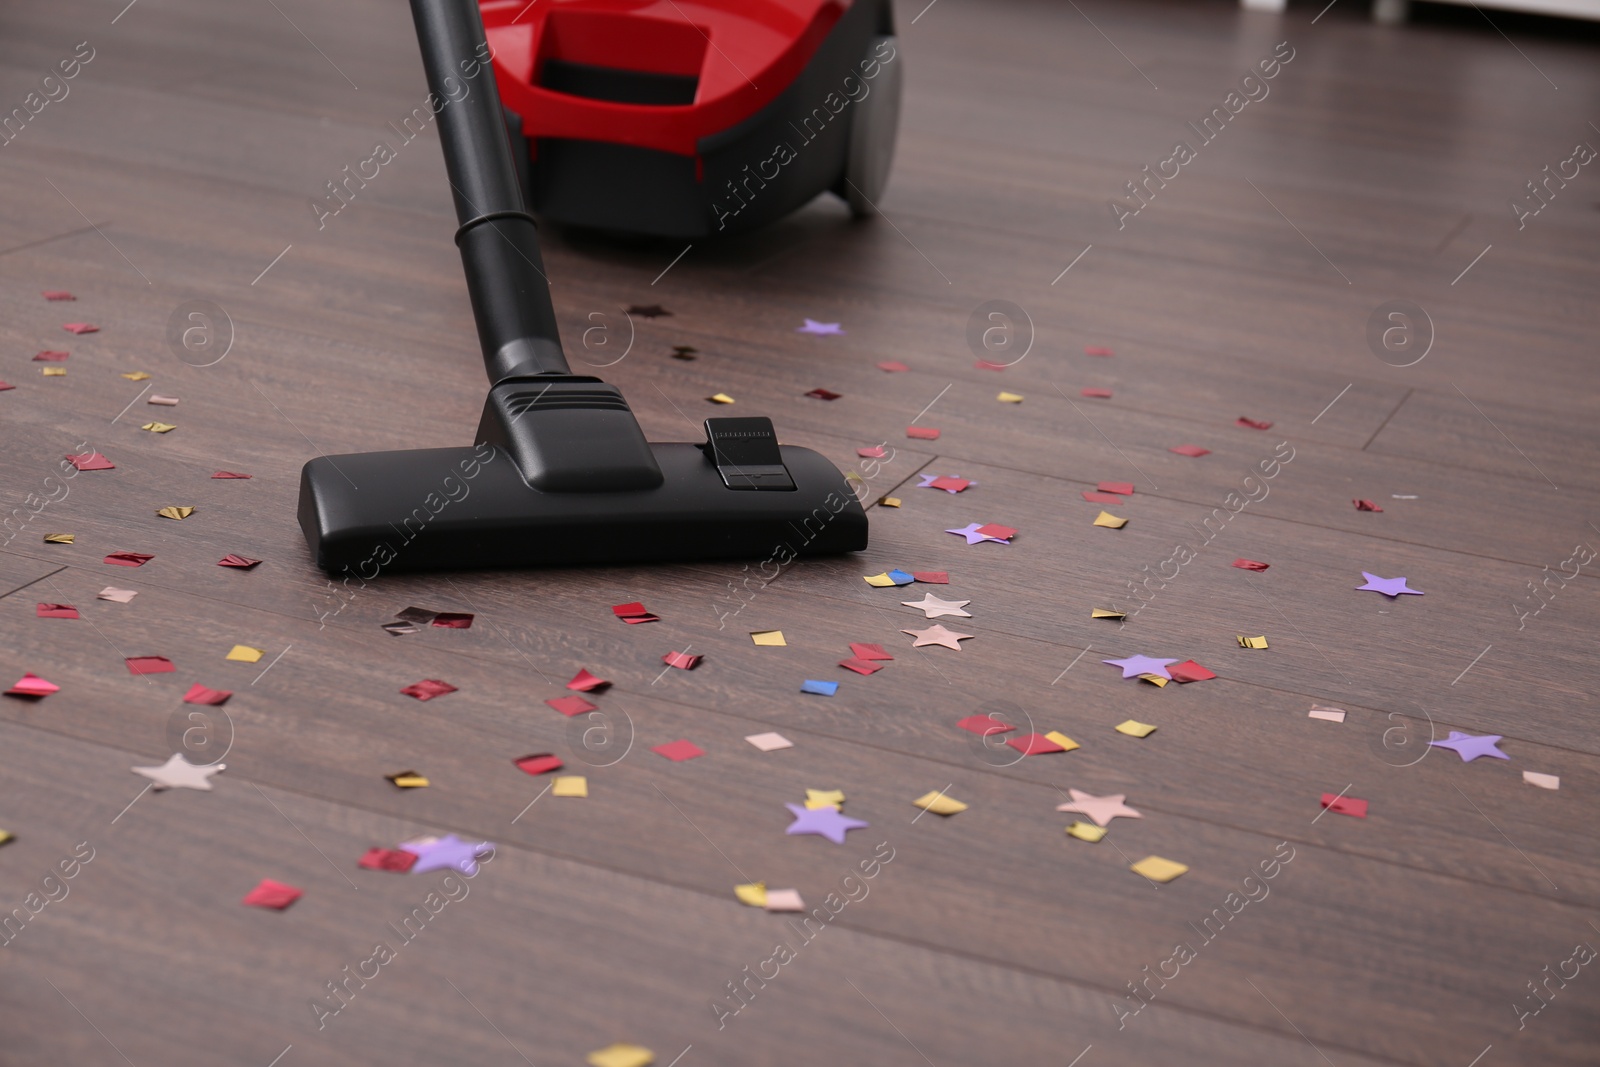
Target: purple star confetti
[973,533]
[1134,666]
[1390,587]
[813,326]
[449,853]
[826,822]
[1470,747]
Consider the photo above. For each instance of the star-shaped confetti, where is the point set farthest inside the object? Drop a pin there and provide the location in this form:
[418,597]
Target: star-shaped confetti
[179,773]
[937,635]
[1101,809]
[824,821]
[973,532]
[1134,666]
[813,326]
[1389,587]
[1470,747]
[449,852]
[934,608]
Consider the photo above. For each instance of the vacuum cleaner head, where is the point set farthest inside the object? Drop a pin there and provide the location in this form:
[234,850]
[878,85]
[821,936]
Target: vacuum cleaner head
[561,472]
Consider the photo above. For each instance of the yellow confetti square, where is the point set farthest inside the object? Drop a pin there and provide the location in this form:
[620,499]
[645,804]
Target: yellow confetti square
[59,539]
[136,376]
[245,654]
[159,427]
[1252,642]
[570,785]
[1009,398]
[621,1055]
[1134,728]
[1155,680]
[1063,740]
[890,501]
[1159,870]
[824,798]
[1107,613]
[720,398]
[754,894]
[939,804]
[1086,831]
[1110,521]
[176,512]
[7,835]
[879,581]
[408,780]
[769,638]
[54,372]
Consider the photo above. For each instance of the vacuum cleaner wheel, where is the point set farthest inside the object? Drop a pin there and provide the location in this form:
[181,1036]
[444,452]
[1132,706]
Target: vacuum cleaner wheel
[873,125]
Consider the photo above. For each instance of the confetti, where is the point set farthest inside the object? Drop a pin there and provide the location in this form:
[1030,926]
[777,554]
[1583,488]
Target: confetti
[453,620]
[584,682]
[1034,744]
[53,372]
[720,398]
[1470,747]
[934,608]
[175,512]
[1189,671]
[769,638]
[932,577]
[621,1054]
[408,780]
[1107,613]
[270,894]
[539,763]
[649,311]
[984,364]
[1093,393]
[937,635]
[4,386]
[824,822]
[922,433]
[449,853]
[1250,565]
[243,563]
[56,611]
[974,534]
[57,294]
[1105,518]
[784,900]
[1067,744]
[80,327]
[32,686]
[633,613]
[387,859]
[1251,642]
[1134,666]
[865,651]
[824,394]
[159,427]
[684,352]
[892,366]
[947,483]
[136,376]
[813,326]
[860,666]
[889,501]
[245,654]
[1341,805]
[875,452]
[1135,728]
[6,837]
[60,538]
[1101,809]
[1158,870]
[1101,498]
[50,357]
[939,804]
[1389,587]
[428,688]
[878,581]
[1326,714]
[682,660]
[149,665]
[678,751]
[1009,398]
[996,531]
[1252,424]
[1543,781]
[90,461]
[570,785]
[201,694]
[770,742]
[1155,680]
[1124,488]
[820,688]
[179,773]
[229,474]
[570,706]
[119,596]
[1086,832]
[753,894]
[831,798]
[1365,505]
[1095,350]
[984,725]
[162,401]
[1192,451]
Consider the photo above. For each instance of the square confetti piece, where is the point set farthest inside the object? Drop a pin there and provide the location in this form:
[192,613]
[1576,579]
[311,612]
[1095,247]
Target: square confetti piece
[60,538]
[1086,831]
[984,725]
[31,685]
[570,785]
[387,859]
[922,433]
[1251,564]
[175,511]
[1095,394]
[1033,744]
[149,665]
[1252,642]
[878,581]
[860,666]
[408,780]
[769,638]
[55,611]
[80,327]
[90,461]
[1067,744]
[428,688]
[53,372]
[939,804]
[1327,714]
[584,682]
[1155,680]
[1159,870]
[1124,488]
[159,427]
[678,751]
[784,900]
[621,1054]
[681,660]
[720,398]
[119,596]
[770,742]
[889,501]
[1101,498]
[570,706]
[238,562]
[1134,728]
[1543,781]
[453,620]
[270,894]
[1345,805]
[245,654]
[819,688]
[539,763]
[1009,398]
[1107,613]
[869,652]
[891,366]
[1189,671]
[1192,451]
[753,894]
[202,694]
[932,577]
[1110,521]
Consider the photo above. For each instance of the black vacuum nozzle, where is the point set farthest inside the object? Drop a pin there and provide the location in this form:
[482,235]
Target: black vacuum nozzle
[561,472]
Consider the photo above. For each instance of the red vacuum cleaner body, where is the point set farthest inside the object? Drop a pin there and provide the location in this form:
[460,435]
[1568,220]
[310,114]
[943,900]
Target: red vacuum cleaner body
[695,118]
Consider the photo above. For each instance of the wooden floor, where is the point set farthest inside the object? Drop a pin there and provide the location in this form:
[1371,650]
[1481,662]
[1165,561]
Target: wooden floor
[1379,168]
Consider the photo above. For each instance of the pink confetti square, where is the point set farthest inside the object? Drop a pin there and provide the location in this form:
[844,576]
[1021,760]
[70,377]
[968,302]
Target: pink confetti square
[200,694]
[1192,451]
[584,682]
[80,327]
[428,688]
[56,611]
[892,366]
[270,894]
[922,433]
[678,751]
[149,665]
[1095,394]
[1345,805]
[570,706]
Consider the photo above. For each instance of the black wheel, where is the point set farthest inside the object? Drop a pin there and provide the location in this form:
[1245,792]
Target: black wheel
[874,124]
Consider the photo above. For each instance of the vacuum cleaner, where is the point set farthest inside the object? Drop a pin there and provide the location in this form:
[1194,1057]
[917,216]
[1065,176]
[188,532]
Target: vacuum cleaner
[561,472]
[696,118]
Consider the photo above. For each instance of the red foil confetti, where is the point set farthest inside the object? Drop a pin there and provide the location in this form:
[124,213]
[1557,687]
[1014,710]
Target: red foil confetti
[428,688]
[681,660]
[1251,564]
[56,611]
[270,894]
[387,859]
[201,694]
[149,665]
[539,763]
[570,706]
[80,327]
[91,461]
[129,559]
[1365,505]
[584,682]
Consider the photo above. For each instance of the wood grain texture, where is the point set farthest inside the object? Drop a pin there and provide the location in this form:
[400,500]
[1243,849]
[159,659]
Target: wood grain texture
[182,163]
